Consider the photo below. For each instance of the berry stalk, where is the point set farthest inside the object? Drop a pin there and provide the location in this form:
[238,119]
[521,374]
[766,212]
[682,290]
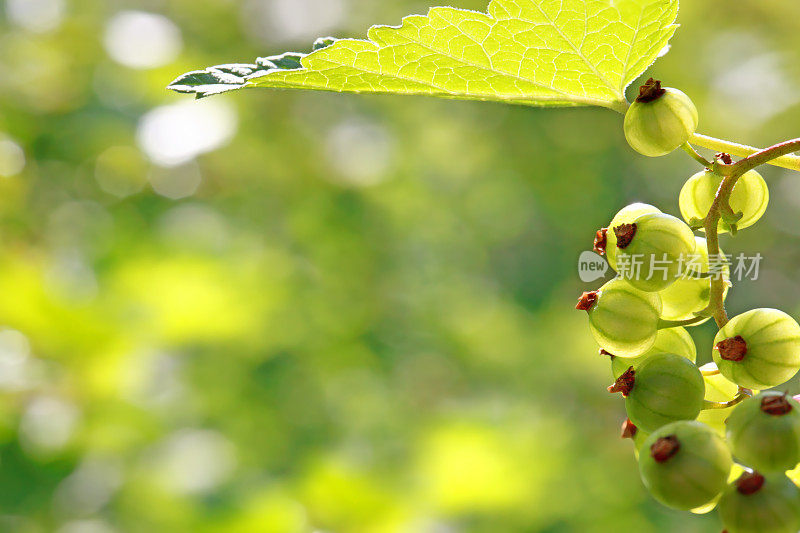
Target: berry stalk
[792,162]
[740,397]
[721,207]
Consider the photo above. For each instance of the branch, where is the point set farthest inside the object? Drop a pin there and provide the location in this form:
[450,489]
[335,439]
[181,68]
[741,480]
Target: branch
[792,162]
[768,155]
[716,299]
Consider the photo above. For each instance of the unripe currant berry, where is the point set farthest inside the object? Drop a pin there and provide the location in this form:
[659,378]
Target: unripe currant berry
[659,120]
[685,465]
[666,388]
[764,432]
[718,389]
[605,241]
[670,340]
[652,250]
[750,197]
[623,319]
[736,471]
[755,503]
[759,349]
[690,293]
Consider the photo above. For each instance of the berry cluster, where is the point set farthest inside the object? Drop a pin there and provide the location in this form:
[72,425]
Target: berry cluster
[711,436]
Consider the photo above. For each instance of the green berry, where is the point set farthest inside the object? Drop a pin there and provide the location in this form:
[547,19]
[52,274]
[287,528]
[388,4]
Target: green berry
[690,293]
[759,349]
[685,465]
[750,197]
[664,389]
[659,120]
[606,241]
[623,319]
[764,432]
[760,504]
[670,340]
[718,389]
[736,471]
[652,250]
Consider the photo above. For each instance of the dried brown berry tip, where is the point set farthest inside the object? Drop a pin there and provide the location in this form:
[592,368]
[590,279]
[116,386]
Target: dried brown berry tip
[625,234]
[624,383]
[732,349]
[776,405]
[664,448]
[587,300]
[650,91]
[629,429]
[750,483]
[600,241]
[725,158]
[609,354]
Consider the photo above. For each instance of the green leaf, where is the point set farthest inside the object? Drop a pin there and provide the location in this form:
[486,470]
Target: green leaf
[531,52]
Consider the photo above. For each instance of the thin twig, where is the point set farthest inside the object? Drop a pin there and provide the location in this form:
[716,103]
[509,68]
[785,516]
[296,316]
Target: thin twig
[689,149]
[741,396]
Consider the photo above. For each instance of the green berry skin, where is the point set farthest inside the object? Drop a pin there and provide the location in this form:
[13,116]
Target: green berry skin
[775,508]
[659,127]
[690,294]
[639,439]
[669,340]
[695,475]
[750,196]
[770,443]
[773,349]
[718,389]
[661,245]
[624,320]
[626,215]
[667,388]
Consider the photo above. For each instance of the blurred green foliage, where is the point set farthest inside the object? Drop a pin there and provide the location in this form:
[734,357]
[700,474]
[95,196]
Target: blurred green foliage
[355,313]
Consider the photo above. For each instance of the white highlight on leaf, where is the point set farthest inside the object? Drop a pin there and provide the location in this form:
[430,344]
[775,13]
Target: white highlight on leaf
[175,134]
[142,40]
[36,15]
[12,158]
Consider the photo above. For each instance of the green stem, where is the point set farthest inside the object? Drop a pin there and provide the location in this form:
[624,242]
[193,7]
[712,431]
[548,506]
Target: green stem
[716,299]
[666,324]
[721,205]
[767,155]
[689,149]
[742,395]
[791,162]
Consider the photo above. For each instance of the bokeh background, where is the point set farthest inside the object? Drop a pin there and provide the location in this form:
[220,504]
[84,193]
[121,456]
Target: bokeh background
[290,312]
